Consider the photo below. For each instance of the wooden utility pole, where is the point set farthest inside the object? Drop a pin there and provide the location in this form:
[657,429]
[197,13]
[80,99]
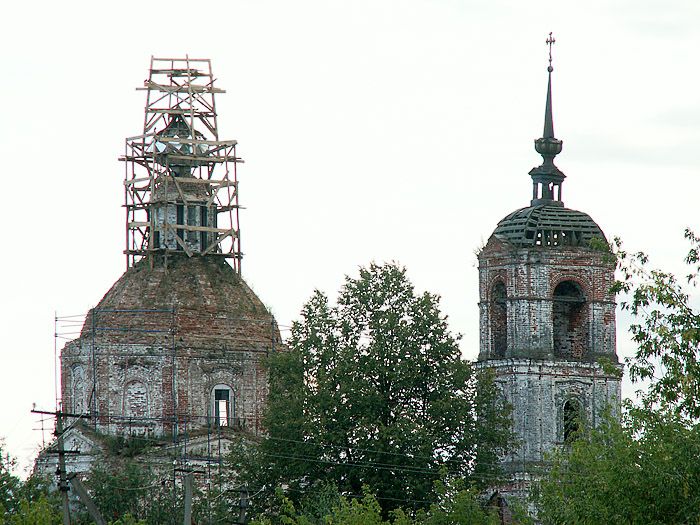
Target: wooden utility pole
[61,451]
[243,505]
[62,482]
[188,498]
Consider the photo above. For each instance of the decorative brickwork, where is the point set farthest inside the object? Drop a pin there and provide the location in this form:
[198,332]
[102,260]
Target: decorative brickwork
[152,352]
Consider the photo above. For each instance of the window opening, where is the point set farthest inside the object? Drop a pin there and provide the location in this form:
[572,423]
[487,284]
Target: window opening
[180,219]
[499,319]
[191,221]
[222,407]
[203,221]
[572,420]
[569,321]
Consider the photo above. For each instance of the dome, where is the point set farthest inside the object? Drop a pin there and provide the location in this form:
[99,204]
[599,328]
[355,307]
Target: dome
[200,301]
[545,225]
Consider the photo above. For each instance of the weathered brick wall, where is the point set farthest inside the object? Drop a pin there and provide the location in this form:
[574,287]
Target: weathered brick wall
[537,390]
[530,276]
[161,340]
[553,341]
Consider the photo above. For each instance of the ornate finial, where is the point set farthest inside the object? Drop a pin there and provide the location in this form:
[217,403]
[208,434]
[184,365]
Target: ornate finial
[547,178]
[549,42]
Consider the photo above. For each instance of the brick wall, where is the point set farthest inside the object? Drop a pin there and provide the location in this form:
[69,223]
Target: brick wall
[559,321]
[161,340]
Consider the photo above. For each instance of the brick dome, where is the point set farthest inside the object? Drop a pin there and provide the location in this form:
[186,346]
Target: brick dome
[201,301]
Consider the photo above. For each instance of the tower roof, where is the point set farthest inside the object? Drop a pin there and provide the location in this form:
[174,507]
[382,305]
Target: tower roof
[548,226]
[546,222]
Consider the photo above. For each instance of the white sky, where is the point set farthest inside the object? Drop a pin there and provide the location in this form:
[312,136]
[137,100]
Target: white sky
[372,130]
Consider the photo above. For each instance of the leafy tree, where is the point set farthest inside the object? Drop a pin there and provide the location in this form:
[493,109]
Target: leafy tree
[668,331]
[41,511]
[25,502]
[373,392]
[642,468]
[10,485]
[127,490]
[457,505]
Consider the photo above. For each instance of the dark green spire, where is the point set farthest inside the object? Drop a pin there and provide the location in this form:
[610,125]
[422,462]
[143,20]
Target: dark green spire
[547,178]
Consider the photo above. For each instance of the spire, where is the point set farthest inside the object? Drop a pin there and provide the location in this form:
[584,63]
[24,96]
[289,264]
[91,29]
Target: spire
[548,132]
[547,178]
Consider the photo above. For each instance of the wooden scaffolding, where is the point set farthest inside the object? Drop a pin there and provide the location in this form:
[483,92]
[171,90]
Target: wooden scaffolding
[179,150]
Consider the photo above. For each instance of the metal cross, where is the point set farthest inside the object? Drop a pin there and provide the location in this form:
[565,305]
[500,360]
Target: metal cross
[549,42]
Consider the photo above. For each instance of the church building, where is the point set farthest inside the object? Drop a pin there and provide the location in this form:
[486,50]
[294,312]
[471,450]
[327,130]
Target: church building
[547,317]
[173,353]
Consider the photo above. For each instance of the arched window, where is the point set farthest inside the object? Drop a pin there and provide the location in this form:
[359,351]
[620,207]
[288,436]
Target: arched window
[222,406]
[569,321]
[499,319]
[572,419]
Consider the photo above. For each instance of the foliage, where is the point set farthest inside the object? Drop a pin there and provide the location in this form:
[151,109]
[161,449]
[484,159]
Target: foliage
[668,331]
[28,502]
[128,446]
[10,485]
[457,505]
[643,469]
[128,488]
[373,392]
[128,520]
[41,511]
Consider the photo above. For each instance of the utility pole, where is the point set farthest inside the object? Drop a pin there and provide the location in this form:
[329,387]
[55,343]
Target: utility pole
[61,451]
[62,482]
[188,498]
[243,505]
[187,482]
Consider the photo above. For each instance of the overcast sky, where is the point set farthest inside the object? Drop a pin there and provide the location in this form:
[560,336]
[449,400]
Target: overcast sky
[372,130]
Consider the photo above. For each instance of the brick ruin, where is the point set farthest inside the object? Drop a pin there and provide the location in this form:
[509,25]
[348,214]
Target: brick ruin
[547,318]
[169,348]
[174,352]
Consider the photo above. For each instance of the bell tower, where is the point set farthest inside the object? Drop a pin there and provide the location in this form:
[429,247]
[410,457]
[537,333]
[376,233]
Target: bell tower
[547,316]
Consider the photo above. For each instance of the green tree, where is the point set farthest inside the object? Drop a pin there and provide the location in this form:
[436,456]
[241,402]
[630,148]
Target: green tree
[41,511]
[667,332]
[128,490]
[456,505]
[10,485]
[642,468]
[373,392]
[25,502]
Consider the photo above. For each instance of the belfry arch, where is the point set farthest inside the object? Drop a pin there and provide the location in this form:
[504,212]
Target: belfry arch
[499,319]
[569,320]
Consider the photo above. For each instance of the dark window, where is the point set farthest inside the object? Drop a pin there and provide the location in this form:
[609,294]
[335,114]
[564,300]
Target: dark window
[572,420]
[499,319]
[569,321]
[204,221]
[180,219]
[192,221]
